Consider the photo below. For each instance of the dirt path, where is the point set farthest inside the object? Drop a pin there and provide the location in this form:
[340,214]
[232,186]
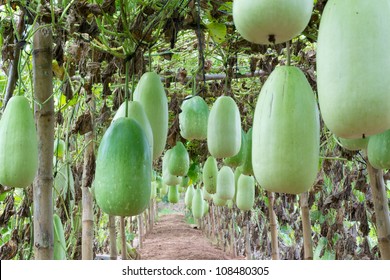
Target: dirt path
[173,239]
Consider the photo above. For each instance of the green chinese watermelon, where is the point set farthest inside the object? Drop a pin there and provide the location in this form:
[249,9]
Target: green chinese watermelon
[245,193]
[210,173]
[193,118]
[225,183]
[179,160]
[197,204]
[378,150]
[173,194]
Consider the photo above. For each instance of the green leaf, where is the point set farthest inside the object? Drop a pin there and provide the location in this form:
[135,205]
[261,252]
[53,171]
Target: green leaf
[217,31]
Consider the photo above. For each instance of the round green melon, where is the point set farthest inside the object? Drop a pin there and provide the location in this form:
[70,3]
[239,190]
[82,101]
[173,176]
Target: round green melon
[245,193]
[59,249]
[173,194]
[352,70]
[168,178]
[378,150]
[179,160]
[247,168]
[137,112]
[151,94]
[286,133]
[271,21]
[224,128]
[59,148]
[210,173]
[225,183]
[18,144]
[188,196]
[239,158]
[218,201]
[354,144]
[193,118]
[123,169]
[197,204]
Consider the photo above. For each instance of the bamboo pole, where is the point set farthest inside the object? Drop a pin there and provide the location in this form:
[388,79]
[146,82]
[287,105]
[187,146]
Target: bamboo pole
[123,238]
[232,235]
[248,237]
[140,230]
[44,115]
[273,227]
[306,227]
[112,233]
[381,207]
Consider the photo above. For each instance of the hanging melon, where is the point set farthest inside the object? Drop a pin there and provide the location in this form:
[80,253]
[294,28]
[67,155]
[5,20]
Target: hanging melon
[210,173]
[206,195]
[271,21]
[378,150]
[188,196]
[59,250]
[179,160]
[18,144]
[123,169]
[225,183]
[136,111]
[151,94]
[354,144]
[245,193]
[168,178]
[224,128]
[59,148]
[247,168]
[193,118]
[239,158]
[218,201]
[197,204]
[286,133]
[173,194]
[352,70]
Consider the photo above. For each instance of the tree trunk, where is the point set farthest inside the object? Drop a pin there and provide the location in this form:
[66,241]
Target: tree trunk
[123,238]
[381,206]
[273,227]
[306,227]
[112,232]
[44,115]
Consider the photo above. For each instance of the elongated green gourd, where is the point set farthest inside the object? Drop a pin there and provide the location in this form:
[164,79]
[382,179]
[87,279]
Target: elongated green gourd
[18,144]
[354,144]
[286,133]
[173,194]
[193,118]
[218,201]
[168,178]
[123,169]
[225,183]
[197,204]
[378,150]
[210,174]
[271,21]
[247,168]
[239,158]
[151,94]
[179,160]
[245,193]
[137,112]
[59,250]
[224,128]
[353,87]
[206,195]
[188,196]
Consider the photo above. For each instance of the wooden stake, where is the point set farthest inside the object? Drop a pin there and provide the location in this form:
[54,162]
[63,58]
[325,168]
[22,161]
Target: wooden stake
[123,238]
[273,227]
[248,237]
[306,227]
[112,233]
[140,230]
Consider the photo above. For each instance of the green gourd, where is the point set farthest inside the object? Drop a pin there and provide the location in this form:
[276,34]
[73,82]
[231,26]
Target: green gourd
[218,201]
[151,94]
[352,70]
[210,174]
[224,128]
[286,133]
[354,144]
[173,194]
[378,150]
[206,195]
[247,168]
[189,196]
[179,160]
[237,174]
[193,118]
[168,178]
[123,169]
[18,144]
[239,158]
[206,207]
[59,148]
[245,193]
[271,21]
[59,250]
[197,204]
[225,183]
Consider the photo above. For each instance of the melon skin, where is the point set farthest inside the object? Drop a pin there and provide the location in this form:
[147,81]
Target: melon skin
[378,150]
[151,94]
[18,144]
[197,204]
[225,183]
[286,133]
[271,21]
[352,70]
[193,118]
[210,175]
[245,193]
[173,194]
[354,144]
[168,178]
[123,169]
[179,161]
[224,128]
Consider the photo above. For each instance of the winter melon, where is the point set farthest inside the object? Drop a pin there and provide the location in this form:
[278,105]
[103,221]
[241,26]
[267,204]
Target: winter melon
[218,201]
[210,173]
[354,144]
[173,194]
[352,70]
[123,169]
[247,168]
[271,21]
[151,94]
[245,193]
[239,158]
[193,118]
[168,178]
[224,128]
[286,133]
[378,150]
[206,195]
[179,160]
[197,204]
[18,144]
[225,183]
[59,148]
[59,250]
[188,196]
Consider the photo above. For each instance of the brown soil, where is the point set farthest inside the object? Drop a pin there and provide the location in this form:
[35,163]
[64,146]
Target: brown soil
[173,239]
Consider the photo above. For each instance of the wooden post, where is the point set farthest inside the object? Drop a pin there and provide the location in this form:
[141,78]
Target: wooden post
[306,227]
[140,230]
[273,227]
[232,235]
[123,238]
[112,232]
[248,236]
